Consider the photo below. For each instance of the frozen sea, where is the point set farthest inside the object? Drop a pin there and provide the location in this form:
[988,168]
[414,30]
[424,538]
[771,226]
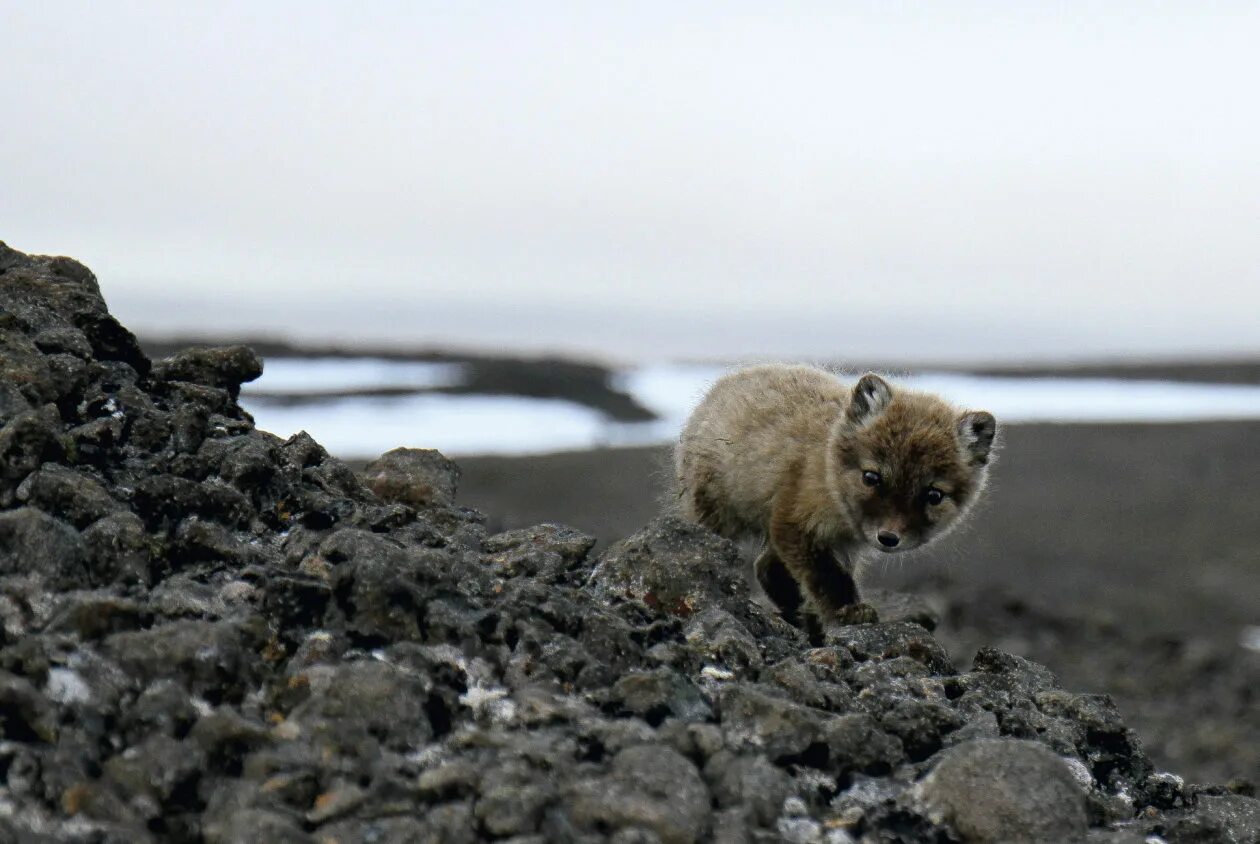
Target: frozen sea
[482,424]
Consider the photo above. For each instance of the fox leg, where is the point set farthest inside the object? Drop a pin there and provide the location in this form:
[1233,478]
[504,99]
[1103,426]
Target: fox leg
[828,587]
[779,584]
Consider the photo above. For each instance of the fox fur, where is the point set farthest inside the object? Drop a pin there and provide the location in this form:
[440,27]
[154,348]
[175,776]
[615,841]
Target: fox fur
[824,472]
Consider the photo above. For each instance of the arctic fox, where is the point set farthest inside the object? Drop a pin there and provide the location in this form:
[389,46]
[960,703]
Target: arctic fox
[824,471]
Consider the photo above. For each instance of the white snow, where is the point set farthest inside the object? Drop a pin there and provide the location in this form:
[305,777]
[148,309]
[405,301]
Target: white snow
[1014,399]
[307,375]
[672,390]
[366,427]
[478,424]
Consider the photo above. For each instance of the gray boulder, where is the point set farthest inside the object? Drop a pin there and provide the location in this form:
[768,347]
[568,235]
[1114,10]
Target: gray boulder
[1001,790]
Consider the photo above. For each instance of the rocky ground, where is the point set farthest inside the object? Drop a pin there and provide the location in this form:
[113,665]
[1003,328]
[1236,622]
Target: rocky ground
[211,634]
[1122,557]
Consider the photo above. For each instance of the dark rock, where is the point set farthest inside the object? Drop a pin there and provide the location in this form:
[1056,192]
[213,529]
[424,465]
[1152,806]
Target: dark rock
[26,441]
[249,826]
[63,339]
[25,714]
[31,541]
[378,584]
[758,720]
[110,341]
[150,776]
[1227,817]
[548,552]
[365,701]
[920,725]
[720,636]
[418,477]
[12,402]
[675,566]
[804,686]
[513,797]
[857,743]
[164,499]
[226,368]
[654,695]
[118,550]
[215,660]
[651,788]
[67,494]
[998,790]
[888,641]
[94,615]
[750,784]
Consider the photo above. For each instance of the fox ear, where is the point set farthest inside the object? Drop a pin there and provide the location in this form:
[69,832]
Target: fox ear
[975,432]
[870,396]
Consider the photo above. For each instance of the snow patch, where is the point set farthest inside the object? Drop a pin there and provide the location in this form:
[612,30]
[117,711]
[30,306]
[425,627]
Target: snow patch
[331,374]
[482,424]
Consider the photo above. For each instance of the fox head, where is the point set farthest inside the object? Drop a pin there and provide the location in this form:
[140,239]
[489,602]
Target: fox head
[904,466]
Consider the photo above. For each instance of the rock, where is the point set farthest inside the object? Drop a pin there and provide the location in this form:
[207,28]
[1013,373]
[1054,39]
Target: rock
[25,713]
[215,659]
[26,442]
[549,552]
[647,787]
[1235,816]
[1224,817]
[655,695]
[675,566]
[12,402]
[150,775]
[32,541]
[118,550]
[998,790]
[225,368]
[513,798]
[758,720]
[63,339]
[920,725]
[249,826]
[365,701]
[418,477]
[888,641]
[751,785]
[68,494]
[720,636]
[857,743]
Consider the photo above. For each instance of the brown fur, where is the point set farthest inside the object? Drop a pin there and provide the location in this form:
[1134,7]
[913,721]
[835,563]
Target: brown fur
[779,452]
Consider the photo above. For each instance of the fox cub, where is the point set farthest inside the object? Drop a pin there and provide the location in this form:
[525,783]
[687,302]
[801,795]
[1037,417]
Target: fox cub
[824,472]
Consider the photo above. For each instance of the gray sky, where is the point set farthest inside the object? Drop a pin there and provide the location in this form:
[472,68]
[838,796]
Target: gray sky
[932,180]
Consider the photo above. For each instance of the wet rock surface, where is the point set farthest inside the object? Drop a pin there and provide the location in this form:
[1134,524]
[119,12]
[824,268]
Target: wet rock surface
[211,634]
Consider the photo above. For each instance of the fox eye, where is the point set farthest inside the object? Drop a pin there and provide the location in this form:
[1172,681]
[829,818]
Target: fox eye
[935,496]
[871,478]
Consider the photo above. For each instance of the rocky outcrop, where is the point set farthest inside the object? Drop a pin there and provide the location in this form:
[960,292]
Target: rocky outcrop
[212,634]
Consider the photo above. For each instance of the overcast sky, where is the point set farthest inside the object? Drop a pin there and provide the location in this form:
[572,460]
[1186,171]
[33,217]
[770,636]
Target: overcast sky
[934,180]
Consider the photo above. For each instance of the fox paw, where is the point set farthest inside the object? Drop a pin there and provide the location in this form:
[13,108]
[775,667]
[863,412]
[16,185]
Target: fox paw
[856,614]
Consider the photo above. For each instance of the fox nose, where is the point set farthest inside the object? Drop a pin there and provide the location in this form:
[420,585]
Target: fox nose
[888,539]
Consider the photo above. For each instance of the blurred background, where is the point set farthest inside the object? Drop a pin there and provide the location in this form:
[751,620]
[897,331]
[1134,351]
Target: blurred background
[531,234]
